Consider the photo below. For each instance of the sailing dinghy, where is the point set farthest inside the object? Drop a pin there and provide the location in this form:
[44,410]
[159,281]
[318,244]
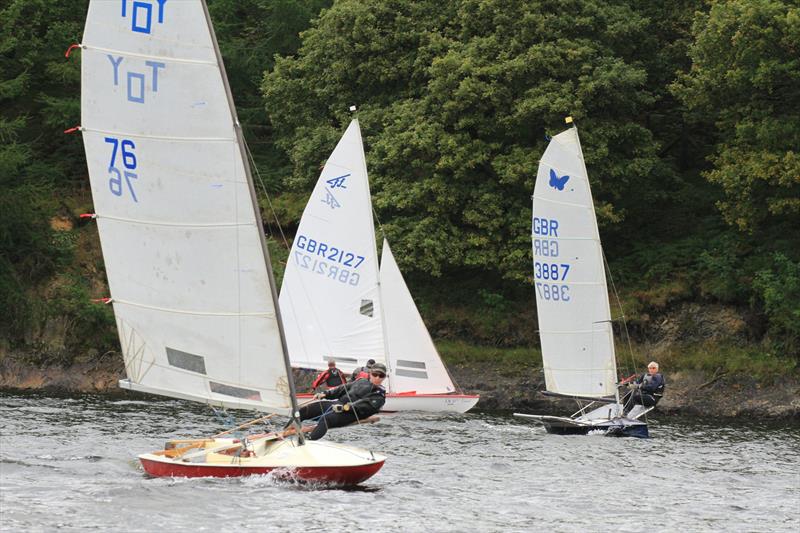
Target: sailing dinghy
[572,298]
[339,305]
[188,267]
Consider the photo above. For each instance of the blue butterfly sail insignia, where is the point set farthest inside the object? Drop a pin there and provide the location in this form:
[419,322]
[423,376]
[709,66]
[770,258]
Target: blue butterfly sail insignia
[556,182]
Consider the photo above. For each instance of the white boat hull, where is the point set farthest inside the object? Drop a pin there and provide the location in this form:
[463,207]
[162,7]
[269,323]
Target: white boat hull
[313,462]
[432,403]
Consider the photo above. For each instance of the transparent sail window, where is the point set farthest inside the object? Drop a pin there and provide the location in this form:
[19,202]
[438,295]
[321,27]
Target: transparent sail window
[186,361]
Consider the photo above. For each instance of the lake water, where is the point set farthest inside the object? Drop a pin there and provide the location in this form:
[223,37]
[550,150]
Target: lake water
[69,463]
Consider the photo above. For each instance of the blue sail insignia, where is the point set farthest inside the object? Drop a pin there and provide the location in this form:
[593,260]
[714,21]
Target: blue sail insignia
[556,182]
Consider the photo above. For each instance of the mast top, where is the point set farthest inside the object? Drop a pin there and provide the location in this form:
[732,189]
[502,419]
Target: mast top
[568,120]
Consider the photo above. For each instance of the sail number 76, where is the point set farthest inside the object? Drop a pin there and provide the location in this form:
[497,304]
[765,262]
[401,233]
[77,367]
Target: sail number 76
[125,148]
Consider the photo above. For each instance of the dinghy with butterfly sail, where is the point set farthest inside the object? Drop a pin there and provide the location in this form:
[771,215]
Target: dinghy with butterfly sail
[572,298]
[187,263]
[339,305]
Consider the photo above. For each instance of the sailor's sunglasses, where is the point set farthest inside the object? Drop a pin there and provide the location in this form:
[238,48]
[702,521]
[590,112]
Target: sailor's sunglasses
[379,374]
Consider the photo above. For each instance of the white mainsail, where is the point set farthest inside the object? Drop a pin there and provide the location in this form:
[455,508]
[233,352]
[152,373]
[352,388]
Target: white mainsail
[180,234]
[329,298]
[414,362]
[571,293]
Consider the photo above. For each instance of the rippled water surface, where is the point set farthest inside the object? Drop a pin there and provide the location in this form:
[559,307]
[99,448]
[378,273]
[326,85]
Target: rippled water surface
[70,463]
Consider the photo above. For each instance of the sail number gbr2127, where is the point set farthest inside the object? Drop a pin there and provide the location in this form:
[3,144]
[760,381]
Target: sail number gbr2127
[327,260]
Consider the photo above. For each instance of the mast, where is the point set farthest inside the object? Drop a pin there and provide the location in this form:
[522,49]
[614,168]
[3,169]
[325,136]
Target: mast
[375,246]
[569,120]
[259,223]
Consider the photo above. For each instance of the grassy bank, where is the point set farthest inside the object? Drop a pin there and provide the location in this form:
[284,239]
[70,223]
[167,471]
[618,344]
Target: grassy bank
[711,357]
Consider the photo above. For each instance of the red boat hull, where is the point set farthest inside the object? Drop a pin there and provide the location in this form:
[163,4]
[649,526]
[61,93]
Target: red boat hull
[345,475]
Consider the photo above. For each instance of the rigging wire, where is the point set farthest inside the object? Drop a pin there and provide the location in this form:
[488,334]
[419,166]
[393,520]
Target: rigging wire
[622,316]
[266,194]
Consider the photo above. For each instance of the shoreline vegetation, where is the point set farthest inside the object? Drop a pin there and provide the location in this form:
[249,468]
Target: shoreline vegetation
[690,122]
[506,379]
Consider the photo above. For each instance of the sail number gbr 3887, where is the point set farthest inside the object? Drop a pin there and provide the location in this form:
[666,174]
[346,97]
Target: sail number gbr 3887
[547,270]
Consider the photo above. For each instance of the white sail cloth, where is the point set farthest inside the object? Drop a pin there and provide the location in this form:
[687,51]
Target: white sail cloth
[415,364]
[330,300]
[569,276]
[178,228]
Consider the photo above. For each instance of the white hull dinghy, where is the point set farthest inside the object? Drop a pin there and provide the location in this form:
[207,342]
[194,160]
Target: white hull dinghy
[188,268]
[341,305]
[572,298]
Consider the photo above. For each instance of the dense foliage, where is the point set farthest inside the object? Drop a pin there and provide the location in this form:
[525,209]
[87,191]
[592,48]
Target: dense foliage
[688,115]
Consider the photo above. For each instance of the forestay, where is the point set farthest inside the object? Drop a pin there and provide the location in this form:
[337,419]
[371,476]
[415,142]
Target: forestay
[329,297]
[571,293]
[415,364]
[178,227]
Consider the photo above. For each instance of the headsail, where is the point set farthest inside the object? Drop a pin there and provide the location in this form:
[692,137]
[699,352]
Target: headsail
[329,297]
[571,293]
[415,364]
[180,235]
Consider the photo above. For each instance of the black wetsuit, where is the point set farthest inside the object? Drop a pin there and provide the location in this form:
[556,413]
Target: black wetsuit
[365,400]
[648,394]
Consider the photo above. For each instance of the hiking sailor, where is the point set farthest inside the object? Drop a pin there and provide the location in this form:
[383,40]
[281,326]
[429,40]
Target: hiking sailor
[332,377]
[647,389]
[362,372]
[348,403]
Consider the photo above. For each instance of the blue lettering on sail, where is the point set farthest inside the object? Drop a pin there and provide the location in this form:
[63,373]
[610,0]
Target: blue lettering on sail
[142,14]
[330,200]
[326,269]
[545,227]
[137,81]
[126,148]
[556,182]
[134,87]
[334,254]
[338,182]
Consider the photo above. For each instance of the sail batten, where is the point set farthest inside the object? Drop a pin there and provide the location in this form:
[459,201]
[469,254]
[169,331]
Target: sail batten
[178,225]
[569,276]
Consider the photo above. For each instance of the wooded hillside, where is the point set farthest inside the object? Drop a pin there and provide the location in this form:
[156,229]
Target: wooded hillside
[689,114]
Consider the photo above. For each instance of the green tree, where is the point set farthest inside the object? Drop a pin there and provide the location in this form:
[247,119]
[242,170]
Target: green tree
[456,99]
[39,94]
[745,76]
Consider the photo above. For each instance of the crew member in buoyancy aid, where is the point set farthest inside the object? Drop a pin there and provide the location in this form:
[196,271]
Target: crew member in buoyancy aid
[647,389]
[333,377]
[348,403]
[362,372]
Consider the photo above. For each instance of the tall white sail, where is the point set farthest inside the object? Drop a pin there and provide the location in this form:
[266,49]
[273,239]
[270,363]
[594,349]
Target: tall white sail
[329,299]
[181,241]
[415,364]
[571,293]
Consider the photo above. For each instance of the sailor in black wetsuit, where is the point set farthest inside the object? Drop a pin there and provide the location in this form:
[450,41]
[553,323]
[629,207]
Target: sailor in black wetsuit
[348,403]
[648,389]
